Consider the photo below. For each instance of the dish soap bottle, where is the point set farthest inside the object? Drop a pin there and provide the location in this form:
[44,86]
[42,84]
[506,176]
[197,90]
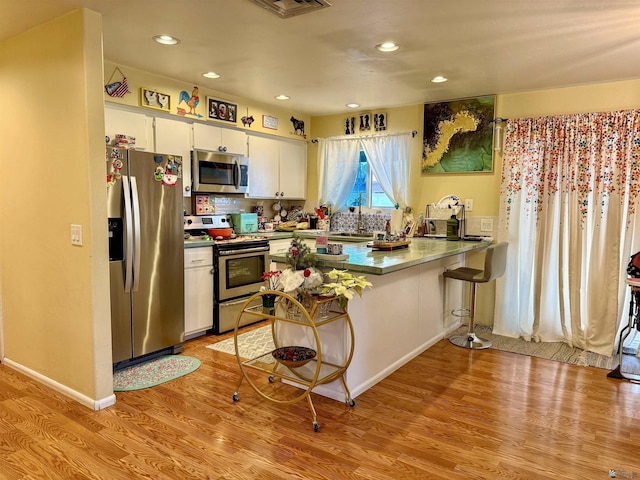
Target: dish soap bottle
[453,228]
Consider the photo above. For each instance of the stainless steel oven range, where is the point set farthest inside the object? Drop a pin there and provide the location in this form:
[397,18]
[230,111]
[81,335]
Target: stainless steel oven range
[238,265]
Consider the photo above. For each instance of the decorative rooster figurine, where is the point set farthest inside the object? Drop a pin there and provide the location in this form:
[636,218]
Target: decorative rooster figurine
[192,100]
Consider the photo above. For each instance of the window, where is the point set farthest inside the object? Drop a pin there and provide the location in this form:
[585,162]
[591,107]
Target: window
[367,185]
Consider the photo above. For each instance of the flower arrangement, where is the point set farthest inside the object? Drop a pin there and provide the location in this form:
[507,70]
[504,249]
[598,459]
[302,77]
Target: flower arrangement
[343,285]
[273,277]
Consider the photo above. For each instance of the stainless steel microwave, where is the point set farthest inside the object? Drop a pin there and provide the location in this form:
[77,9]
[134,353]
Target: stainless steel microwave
[215,172]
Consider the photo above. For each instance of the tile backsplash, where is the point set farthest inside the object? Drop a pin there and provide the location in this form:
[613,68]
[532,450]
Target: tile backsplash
[348,222]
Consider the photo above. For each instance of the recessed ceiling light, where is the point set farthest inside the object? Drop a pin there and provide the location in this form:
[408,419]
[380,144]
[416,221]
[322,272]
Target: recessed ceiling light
[282,97]
[353,105]
[388,47]
[439,79]
[211,75]
[166,39]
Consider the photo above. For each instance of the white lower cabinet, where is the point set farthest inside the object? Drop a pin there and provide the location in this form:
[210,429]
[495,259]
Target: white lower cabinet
[198,291]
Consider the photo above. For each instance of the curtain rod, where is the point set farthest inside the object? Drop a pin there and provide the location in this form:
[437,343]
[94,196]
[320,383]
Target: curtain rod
[413,134]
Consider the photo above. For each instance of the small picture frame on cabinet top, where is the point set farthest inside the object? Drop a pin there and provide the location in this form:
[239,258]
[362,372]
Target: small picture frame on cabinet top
[269,122]
[221,110]
[154,99]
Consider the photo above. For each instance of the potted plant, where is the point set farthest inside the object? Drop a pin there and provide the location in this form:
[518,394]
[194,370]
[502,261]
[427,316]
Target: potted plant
[344,284]
[269,299]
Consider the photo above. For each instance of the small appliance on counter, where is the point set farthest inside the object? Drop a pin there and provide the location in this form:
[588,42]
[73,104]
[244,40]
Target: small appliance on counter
[244,222]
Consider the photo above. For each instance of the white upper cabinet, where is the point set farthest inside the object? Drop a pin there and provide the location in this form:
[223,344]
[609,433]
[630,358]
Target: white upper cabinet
[277,168]
[264,161]
[132,124]
[217,139]
[173,137]
[293,169]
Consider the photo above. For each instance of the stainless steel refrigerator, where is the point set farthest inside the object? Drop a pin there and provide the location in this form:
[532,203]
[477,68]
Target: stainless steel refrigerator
[146,245]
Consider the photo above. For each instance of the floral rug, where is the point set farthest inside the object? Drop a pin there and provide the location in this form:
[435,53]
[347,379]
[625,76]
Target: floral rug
[153,372]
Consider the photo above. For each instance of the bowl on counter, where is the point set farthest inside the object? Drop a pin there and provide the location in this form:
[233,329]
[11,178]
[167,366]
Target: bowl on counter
[220,232]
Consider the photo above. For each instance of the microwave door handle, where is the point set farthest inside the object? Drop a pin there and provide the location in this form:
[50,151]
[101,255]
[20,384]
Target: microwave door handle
[236,172]
[136,238]
[128,257]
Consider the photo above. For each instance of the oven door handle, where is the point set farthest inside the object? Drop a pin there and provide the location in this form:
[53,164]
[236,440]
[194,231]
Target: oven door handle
[226,253]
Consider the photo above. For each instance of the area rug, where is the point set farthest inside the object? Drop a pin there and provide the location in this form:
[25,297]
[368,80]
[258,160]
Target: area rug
[251,344]
[557,351]
[153,372]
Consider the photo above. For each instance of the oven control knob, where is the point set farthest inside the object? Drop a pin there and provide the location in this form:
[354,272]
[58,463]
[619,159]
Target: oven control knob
[189,222]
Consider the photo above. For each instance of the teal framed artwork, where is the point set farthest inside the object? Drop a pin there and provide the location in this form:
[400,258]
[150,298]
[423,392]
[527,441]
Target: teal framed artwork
[458,136]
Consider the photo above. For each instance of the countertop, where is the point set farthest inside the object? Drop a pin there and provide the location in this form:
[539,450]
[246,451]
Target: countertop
[363,259]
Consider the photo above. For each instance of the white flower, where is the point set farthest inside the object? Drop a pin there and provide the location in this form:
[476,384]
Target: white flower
[291,280]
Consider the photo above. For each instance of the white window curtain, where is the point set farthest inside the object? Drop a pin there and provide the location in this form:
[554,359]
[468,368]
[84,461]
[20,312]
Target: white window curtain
[569,198]
[338,159]
[337,169]
[388,157]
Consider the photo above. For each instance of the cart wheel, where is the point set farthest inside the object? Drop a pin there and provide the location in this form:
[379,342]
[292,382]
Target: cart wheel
[351,402]
[316,427]
[271,379]
[236,397]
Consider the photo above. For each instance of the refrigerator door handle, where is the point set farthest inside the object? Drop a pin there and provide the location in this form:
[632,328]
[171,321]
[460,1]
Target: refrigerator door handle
[128,257]
[136,236]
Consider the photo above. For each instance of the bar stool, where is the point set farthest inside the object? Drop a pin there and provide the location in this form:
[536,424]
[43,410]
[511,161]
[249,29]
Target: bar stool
[495,262]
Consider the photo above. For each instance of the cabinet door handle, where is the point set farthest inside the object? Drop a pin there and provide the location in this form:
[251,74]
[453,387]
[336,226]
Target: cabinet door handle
[211,271]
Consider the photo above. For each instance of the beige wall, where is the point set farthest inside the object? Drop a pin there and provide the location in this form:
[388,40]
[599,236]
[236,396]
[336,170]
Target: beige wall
[55,296]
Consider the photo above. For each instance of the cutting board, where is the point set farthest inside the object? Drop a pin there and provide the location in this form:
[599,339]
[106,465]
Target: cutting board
[389,245]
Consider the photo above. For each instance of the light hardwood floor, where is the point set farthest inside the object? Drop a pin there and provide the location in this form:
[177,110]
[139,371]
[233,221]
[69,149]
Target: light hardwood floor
[449,414]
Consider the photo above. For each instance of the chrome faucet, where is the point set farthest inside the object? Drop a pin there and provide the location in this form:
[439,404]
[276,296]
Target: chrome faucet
[360,223]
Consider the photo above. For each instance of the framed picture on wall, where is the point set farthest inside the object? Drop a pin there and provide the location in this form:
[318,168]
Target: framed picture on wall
[350,125]
[458,136]
[364,122]
[154,99]
[221,110]
[380,122]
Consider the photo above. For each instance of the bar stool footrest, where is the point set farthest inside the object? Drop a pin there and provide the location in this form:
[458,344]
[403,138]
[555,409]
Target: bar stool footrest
[470,340]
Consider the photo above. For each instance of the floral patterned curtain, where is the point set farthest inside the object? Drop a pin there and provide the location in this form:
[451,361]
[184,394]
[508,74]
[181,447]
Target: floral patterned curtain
[569,194]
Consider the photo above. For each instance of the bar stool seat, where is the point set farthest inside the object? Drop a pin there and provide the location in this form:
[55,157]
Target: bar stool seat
[495,262]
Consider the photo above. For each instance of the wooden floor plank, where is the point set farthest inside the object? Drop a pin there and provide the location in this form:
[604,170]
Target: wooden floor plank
[449,414]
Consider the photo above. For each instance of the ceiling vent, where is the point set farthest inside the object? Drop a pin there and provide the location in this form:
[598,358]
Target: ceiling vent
[290,8]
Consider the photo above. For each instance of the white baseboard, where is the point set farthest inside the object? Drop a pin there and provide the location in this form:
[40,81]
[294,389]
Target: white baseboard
[94,404]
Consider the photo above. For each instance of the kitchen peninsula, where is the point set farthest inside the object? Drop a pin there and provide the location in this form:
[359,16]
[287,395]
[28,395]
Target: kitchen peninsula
[405,313]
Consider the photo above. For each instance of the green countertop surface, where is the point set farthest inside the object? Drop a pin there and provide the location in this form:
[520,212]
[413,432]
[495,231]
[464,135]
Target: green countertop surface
[364,259]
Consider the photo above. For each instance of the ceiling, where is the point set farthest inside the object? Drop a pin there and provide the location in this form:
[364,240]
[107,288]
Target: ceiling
[326,59]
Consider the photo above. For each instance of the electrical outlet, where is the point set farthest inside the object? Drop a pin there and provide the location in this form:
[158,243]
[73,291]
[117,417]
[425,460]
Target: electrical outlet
[76,234]
[486,225]
[468,204]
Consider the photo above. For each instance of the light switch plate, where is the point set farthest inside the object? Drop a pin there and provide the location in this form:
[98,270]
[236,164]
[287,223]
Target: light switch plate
[76,234]
[468,204]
